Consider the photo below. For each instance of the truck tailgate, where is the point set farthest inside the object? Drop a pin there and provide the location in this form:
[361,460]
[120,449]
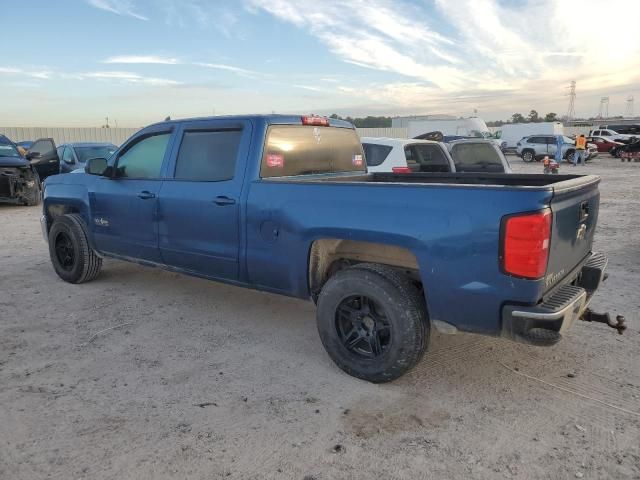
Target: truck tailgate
[575,214]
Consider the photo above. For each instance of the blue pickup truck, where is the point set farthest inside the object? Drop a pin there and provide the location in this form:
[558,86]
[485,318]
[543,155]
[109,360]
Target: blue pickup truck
[284,204]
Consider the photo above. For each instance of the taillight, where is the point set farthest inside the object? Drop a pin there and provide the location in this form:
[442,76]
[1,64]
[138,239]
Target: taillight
[401,170]
[525,247]
[316,121]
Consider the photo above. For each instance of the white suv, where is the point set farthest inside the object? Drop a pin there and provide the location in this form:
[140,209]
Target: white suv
[411,155]
[610,135]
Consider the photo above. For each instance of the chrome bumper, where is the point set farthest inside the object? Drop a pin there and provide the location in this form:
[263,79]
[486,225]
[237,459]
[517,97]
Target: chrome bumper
[544,324]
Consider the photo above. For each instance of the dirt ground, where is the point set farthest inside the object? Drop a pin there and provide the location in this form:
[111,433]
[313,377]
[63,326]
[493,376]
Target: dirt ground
[209,381]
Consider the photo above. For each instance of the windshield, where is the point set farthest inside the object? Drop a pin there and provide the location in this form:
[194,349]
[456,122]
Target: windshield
[476,157]
[98,151]
[7,149]
[566,139]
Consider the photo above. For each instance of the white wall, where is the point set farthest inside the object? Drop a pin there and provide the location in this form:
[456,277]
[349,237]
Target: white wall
[116,136]
[383,132]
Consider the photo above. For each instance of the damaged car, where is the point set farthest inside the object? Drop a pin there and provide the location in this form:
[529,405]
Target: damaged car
[19,180]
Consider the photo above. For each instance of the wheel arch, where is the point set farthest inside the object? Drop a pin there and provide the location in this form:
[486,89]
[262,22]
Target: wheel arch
[53,210]
[329,255]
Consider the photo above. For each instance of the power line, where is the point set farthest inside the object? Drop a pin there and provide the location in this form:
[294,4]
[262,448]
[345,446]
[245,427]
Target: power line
[571,111]
[603,111]
[629,110]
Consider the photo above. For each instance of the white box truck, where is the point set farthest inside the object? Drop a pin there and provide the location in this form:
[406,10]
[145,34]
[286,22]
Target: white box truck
[510,133]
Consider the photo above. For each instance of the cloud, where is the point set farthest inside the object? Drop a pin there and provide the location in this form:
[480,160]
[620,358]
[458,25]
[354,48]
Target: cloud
[230,68]
[119,7]
[203,14]
[142,59]
[526,49]
[130,77]
[41,74]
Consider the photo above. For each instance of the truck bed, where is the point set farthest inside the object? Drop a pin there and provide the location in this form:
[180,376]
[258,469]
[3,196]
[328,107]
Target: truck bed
[535,181]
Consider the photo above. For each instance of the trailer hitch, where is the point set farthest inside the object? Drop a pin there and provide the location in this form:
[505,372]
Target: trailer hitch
[591,316]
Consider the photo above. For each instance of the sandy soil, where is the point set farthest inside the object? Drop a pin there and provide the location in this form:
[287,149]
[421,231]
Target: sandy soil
[210,381]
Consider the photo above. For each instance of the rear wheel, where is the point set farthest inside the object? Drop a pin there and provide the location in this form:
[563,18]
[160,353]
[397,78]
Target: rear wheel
[372,321]
[528,156]
[72,257]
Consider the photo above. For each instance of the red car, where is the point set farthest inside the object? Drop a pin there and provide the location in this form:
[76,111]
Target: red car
[604,144]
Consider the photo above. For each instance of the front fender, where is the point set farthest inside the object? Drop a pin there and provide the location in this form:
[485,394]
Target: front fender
[60,199]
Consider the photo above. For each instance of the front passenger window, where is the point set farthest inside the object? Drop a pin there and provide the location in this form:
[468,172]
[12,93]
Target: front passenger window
[144,158]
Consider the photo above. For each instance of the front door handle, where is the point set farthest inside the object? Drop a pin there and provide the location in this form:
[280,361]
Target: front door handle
[145,195]
[222,200]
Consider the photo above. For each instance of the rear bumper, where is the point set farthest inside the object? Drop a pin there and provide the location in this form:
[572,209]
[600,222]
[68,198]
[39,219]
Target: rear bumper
[545,323]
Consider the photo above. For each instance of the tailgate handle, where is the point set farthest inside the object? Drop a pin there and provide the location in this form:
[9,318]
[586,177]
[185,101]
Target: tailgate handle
[584,211]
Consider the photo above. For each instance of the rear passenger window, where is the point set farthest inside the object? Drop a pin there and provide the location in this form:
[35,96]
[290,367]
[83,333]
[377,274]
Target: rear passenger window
[375,154]
[144,158]
[208,156]
[426,158]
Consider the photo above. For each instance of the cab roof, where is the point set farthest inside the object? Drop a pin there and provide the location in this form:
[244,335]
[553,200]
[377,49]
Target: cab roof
[270,119]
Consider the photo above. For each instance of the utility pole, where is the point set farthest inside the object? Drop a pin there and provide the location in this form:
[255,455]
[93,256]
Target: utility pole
[571,111]
[603,112]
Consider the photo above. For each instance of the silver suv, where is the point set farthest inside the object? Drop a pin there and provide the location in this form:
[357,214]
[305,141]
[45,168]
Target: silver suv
[535,147]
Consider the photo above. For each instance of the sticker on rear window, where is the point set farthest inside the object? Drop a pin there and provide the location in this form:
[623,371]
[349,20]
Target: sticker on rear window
[357,160]
[275,160]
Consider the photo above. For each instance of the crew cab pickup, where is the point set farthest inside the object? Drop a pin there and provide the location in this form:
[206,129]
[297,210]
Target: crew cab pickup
[285,204]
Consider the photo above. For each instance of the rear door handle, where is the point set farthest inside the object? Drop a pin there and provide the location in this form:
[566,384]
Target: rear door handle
[222,200]
[145,195]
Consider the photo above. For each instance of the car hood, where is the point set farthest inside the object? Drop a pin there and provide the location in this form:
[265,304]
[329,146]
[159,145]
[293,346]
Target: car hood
[13,162]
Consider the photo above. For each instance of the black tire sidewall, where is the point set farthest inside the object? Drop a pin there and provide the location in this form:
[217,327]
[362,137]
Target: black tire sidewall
[407,328]
[66,225]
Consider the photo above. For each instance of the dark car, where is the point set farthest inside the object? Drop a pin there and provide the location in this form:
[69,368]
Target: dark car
[629,129]
[43,156]
[74,155]
[19,182]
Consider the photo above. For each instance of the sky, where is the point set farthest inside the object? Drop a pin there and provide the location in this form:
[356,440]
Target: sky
[76,62]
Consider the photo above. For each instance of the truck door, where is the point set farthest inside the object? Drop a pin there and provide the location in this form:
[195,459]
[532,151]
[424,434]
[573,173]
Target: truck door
[44,157]
[124,206]
[199,203]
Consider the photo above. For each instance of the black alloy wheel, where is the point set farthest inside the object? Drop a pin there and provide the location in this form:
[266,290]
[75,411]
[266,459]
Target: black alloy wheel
[65,252]
[362,326]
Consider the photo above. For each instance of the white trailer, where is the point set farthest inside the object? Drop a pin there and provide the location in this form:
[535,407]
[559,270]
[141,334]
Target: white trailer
[466,127]
[511,133]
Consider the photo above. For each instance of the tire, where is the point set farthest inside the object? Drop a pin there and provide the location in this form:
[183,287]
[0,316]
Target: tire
[528,156]
[72,257]
[394,332]
[569,156]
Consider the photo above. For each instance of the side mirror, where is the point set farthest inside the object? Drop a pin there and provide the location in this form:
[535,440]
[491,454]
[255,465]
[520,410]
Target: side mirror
[32,155]
[96,166]
[69,161]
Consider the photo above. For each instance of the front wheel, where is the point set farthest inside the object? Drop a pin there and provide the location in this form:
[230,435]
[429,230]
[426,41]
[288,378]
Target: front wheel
[72,257]
[528,156]
[570,156]
[373,322]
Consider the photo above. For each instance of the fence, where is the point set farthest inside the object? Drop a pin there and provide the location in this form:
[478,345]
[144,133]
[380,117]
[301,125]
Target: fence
[116,136]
